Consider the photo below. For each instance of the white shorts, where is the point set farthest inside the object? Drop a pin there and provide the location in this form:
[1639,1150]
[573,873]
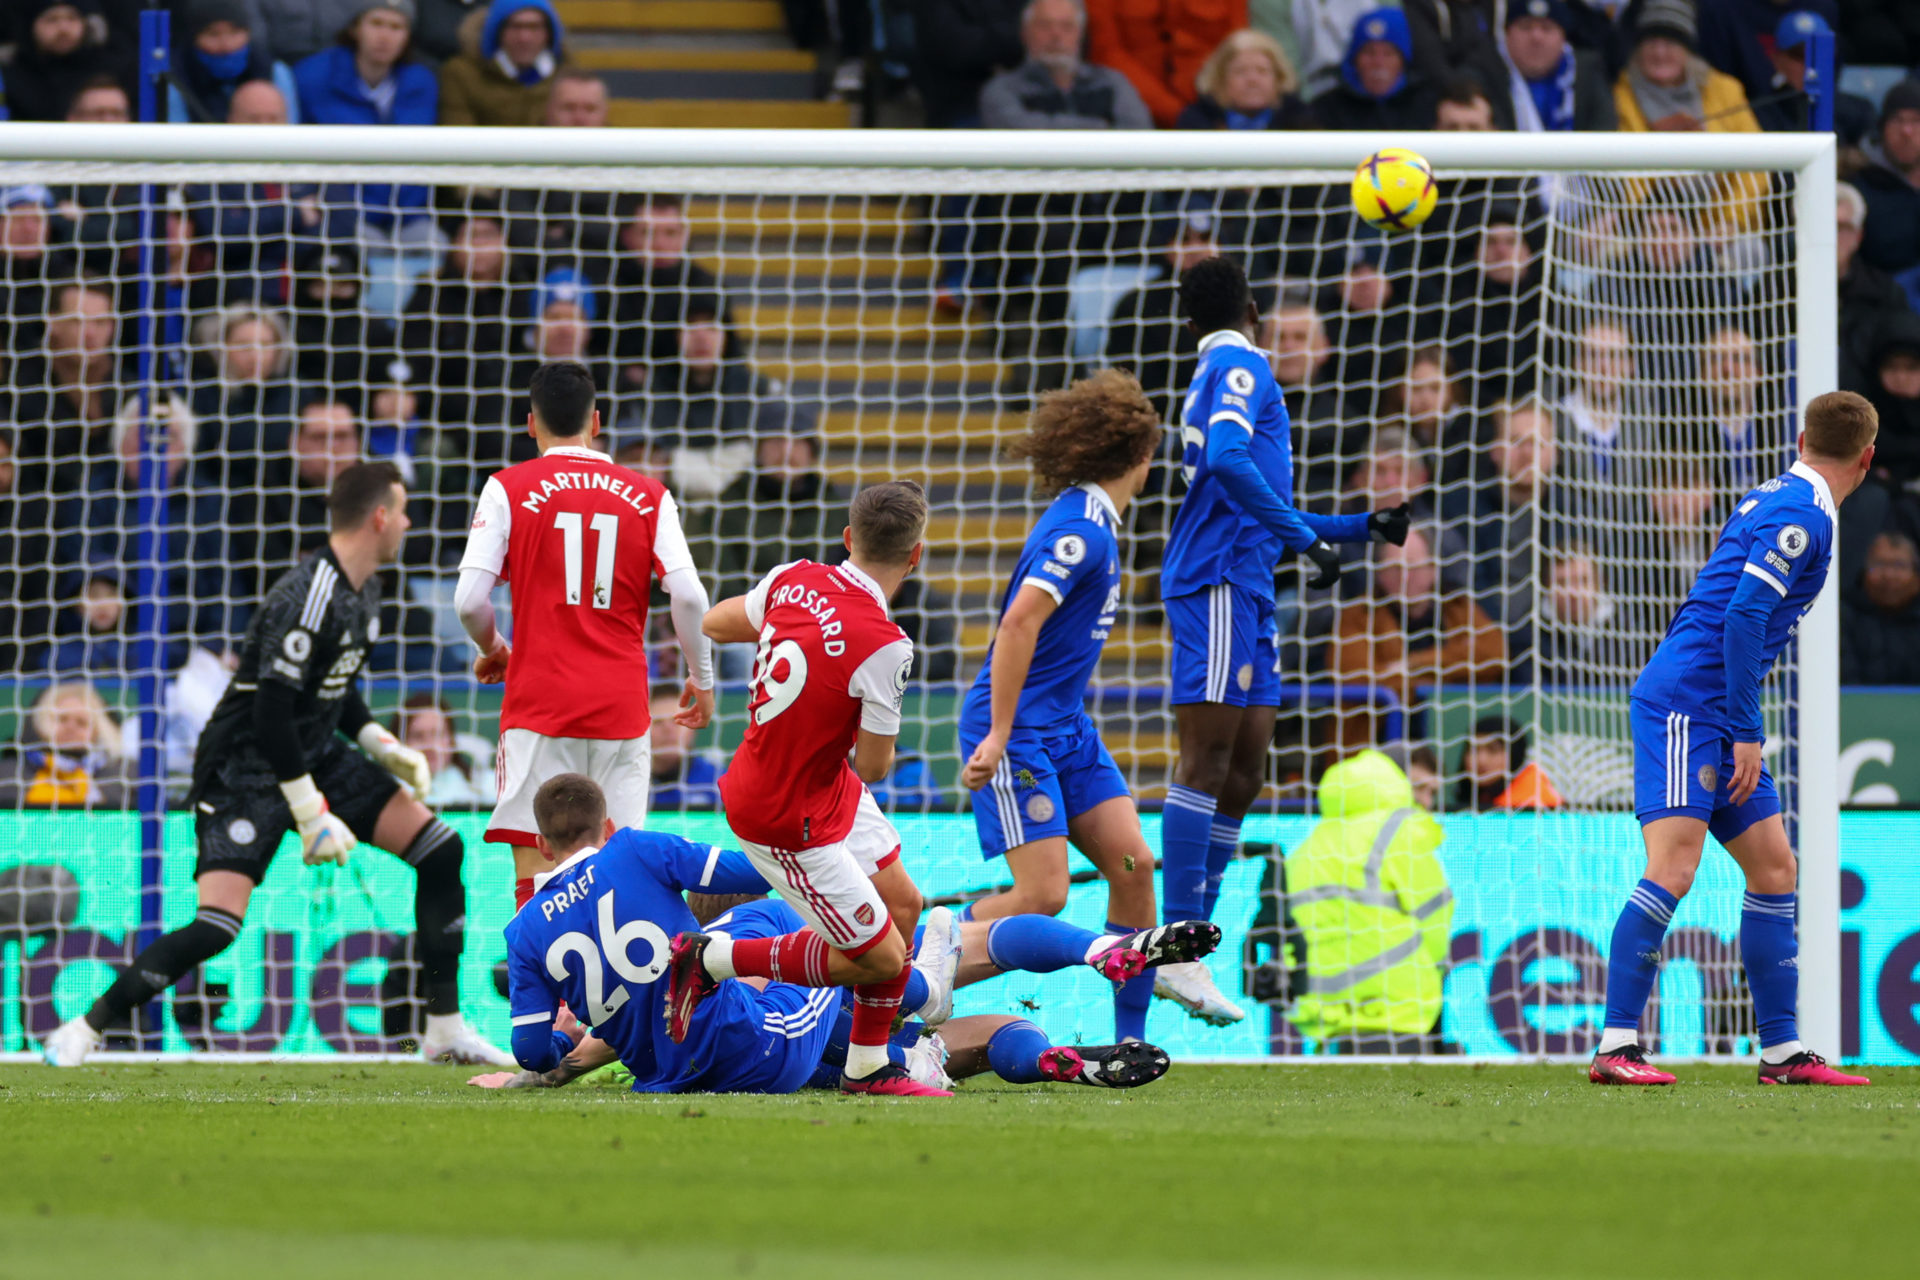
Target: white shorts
[831,885]
[622,766]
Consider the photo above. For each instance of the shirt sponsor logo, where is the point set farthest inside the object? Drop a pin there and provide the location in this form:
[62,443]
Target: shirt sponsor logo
[1779,562]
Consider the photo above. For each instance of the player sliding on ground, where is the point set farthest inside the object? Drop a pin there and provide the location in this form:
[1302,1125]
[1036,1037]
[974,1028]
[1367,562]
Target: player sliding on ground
[1698,738]
[1039,773]
[271,760]
[1233,525]
[828,678]
[580,541]
[594,939]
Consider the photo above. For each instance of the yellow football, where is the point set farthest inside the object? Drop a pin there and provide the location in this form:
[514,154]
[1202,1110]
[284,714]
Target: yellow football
[1393,189]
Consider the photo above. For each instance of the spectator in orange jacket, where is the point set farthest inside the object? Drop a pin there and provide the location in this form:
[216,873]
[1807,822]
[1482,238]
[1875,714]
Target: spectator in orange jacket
[1160,45]
[1495,773]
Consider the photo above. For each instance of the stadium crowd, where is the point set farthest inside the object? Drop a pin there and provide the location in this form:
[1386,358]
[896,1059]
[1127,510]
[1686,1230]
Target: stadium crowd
[1568,451]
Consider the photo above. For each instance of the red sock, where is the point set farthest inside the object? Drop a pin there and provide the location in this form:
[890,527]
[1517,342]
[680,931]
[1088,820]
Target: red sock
[875,1004]
[522,892]
[799,958]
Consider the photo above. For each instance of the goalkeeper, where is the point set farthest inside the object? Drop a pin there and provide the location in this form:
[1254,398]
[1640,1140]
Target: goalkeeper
[272,757]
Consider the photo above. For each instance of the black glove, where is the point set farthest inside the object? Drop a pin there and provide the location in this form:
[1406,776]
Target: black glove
[1327,560]
[1390,525]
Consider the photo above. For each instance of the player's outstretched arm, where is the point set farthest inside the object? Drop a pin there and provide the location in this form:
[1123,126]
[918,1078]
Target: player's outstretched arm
[1013,646]
[544,1031]
[727,622]
[1746,664]
[693,867]
[1231,459]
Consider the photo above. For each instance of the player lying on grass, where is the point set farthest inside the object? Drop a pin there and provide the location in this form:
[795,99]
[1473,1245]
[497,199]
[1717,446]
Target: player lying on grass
[827,681]
[613,891]
[272,760]
[1234,523]
[1039,773]
[1698,742]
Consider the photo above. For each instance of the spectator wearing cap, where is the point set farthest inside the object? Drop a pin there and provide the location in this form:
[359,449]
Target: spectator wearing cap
[1053,88]
[1161,45]
[1740,37]
[504,72]
[562,311]
[30,265]
[1555,87]
[1148,334]
[1378,88]
[565,227]
[62,44]
[293,30]
[338,347]
[1880,624]
[214,55]
[368,78]
[457,334]
[1460,38]
[959,46]
[1784,106]
[1894,365]
[1866,292]
[1668,87]
[1891,183]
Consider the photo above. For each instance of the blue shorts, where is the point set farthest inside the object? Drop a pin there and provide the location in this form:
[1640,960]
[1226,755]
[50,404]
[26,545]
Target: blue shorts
[1223,648]
[1681,769]
[1044,781]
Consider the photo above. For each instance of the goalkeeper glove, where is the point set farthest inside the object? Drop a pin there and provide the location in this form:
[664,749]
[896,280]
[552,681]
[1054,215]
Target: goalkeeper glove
[400,760]
[1390,525]
[323,837]
[1327,561]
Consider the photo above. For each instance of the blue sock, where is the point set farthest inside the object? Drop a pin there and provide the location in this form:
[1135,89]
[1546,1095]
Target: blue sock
[1014,1052]
[1186,833]
[1222,848]
[916,993]
[966,913]
[1634,959]
[1131,998]
[1771,954]
[1037,944]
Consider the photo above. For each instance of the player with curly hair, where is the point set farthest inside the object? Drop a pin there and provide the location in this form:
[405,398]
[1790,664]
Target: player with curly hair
[1039,774]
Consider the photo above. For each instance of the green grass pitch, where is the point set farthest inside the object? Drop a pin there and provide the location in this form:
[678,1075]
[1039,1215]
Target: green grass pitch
[286,1172]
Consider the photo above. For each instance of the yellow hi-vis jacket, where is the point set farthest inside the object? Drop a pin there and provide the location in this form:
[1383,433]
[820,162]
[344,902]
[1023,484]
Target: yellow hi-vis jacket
[1371,899]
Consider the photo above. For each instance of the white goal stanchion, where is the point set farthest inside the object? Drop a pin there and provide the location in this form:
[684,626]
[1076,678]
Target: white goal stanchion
[1567,369]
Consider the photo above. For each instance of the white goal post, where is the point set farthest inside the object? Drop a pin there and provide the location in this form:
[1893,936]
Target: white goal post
[752,168]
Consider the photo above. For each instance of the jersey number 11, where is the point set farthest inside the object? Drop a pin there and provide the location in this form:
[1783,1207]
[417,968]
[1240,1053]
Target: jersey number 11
[606,530]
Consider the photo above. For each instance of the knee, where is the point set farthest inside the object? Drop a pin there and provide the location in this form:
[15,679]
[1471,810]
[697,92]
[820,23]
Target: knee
[1241,789]
[1778,875]
[1044,898]
[1675,877]
[1207,767]
[885,960]
[437,853]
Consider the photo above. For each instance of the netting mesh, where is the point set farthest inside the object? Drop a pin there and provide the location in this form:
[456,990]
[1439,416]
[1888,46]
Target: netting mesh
[1570,378]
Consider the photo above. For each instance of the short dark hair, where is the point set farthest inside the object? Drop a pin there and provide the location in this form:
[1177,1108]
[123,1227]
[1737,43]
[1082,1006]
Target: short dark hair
[1840,426]
[575,74]
[1215,295]
[887,520]
[562,395]
[359,491]
[708,907]
[1098,429]
[1464,89]
[570,810]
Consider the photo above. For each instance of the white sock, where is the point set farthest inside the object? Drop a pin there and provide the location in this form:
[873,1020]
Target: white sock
[1779,1053]
[1100,944]
[718,957]
[444,1026]
[1618,1038]
[864,1059]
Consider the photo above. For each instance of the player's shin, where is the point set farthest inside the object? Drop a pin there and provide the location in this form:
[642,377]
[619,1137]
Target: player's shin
[168,959]
[801,958]
[1633,961]
[1038,944]
[1771,955]
[1130,999]
[1186,835]
[875,1005]
[439,913]
[1223,847]
[1013,1051]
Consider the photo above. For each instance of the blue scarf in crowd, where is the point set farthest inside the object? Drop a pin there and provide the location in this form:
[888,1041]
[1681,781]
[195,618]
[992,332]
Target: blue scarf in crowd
[1553,96]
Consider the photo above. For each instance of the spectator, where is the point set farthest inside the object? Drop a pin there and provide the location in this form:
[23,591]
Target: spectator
[1667,545]
[425,723]
[567,227]
[190,698]
[62,45]
[1577,630]
[1601,431]
[1160,46]
[1378,90]
[1247,84]
[1495,774]
[98,219]
[457,335]
[393,424]
[245,412]
[1880,631]
[561,313]
[1739,37]
[67,394]
[297,29]
[338,346]
[1148,335]
[1417,625]
[325,443]
[369,79]
[1555,87]
[1895,394]
[1464,107]
[1303,365]
[1493,310]
[652,286]
[26,569]
[1422,767]
[784,509]
[506,75]
[960,45]
[1891,183]
[683,776]
[72,754]
[1321,30]
[1052,88]
[214,54]
[1782,105]
[89,638]
[254,226]
[1518,506]
[1392,472]
[1866,292]
[1461,38]
[30,266]
[1749,438]
[1366,316]
[1425,399]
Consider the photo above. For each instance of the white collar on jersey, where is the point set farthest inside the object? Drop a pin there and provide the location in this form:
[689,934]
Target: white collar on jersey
[540,881]
[576,451]
[1105,500]
[1822,494]
[854,571]
[1225,338]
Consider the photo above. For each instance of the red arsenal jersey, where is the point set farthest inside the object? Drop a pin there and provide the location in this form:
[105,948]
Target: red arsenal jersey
[831,662]
[580,540]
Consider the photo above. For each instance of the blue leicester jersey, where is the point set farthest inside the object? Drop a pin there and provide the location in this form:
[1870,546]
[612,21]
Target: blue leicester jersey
[1234,422]
[1073,554]
[1781,537]
[596,936]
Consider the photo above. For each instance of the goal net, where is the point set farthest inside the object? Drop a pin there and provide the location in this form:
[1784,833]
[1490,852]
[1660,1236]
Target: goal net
[1571,372]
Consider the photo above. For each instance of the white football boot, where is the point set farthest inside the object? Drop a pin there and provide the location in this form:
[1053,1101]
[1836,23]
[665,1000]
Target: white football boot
[70,1044]
[1190,985]
[938,960]
[448,1038]
[926,1062]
